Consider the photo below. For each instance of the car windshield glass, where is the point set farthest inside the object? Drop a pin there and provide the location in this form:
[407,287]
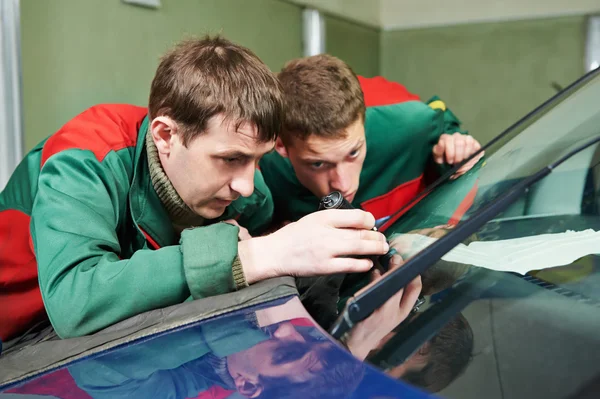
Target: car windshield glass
[566,123]
[514,310]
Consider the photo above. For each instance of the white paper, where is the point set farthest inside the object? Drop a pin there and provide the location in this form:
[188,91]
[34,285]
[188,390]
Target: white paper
[520,255]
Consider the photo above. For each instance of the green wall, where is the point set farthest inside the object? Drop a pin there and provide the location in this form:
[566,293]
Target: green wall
[489,74]
[77,53]
[357,45]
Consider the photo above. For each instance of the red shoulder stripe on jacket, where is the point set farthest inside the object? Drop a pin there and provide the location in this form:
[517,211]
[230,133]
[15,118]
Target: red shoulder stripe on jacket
[390,202]
[100,129]
[58,384]
[380,91]
[20,298]
[215,392]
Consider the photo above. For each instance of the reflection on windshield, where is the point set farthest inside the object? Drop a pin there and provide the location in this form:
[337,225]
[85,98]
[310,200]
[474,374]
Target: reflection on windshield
[529,342]
[439,276]
[544,232]
[549,242]
[543,319]
[519,154]
[436,363]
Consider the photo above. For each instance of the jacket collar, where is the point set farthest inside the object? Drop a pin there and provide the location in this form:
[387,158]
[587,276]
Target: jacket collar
[146,208]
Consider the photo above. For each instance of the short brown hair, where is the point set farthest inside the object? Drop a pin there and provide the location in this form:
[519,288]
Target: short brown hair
[448,353]
[322,97]
[201,78]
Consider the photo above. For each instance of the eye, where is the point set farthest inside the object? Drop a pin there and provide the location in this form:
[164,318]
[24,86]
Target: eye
[317,165]
[354,154]
[233,160]
[289,352]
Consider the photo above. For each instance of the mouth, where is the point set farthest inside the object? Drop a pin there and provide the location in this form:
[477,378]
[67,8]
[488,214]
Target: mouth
[224,202]
[349,196]
[312,363]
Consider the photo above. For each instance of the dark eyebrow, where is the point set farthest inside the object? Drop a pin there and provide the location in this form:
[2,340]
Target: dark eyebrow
[314,160]
[234,154]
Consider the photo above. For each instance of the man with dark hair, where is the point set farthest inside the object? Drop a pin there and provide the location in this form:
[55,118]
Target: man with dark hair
[369,139]
[117,213]
[233,354]
[439,361]
[283,370]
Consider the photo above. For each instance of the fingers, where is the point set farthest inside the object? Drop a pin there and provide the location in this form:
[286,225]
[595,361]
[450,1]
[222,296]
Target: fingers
[454,148]
[354,234]
[244,234]
[460,144]
[346,218]
[396,261]
[450,150]
[439,149]
[402,303]
[465,168]
[469,165]
[351,234]
[375,275]
[411,294]
[347,265]
[342,246]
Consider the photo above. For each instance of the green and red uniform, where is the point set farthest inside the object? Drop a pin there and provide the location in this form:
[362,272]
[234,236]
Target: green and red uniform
[400,134]
[85,241]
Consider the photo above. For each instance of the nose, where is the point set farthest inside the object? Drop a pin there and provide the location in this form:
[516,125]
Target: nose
[243,182]
[340,179]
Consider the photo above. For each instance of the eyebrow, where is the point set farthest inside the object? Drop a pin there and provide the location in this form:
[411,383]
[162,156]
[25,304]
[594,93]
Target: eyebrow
[240,154]
[234,154]
[313,160]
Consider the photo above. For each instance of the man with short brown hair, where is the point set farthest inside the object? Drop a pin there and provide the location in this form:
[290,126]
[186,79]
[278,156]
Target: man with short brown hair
[437,363]
[117,213]
[333,117]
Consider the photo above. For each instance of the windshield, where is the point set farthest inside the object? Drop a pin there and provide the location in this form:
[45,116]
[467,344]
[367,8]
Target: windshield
[538,141]
[530,332]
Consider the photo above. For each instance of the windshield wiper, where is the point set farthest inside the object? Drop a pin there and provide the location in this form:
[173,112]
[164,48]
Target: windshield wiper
[362,305]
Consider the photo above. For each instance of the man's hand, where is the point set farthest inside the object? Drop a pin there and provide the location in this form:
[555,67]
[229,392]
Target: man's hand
[243,234]
[455,148]
[367,334]
[320,243]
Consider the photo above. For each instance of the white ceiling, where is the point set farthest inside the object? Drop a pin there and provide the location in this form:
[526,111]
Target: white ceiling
[404,14]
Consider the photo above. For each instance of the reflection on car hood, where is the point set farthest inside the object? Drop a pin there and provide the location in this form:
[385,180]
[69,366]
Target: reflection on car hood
[269,349]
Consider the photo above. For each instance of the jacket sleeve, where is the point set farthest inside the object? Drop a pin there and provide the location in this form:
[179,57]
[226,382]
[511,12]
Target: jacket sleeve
[159,367]
[451,122]
[84,283]
[380,91]
[111,378]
